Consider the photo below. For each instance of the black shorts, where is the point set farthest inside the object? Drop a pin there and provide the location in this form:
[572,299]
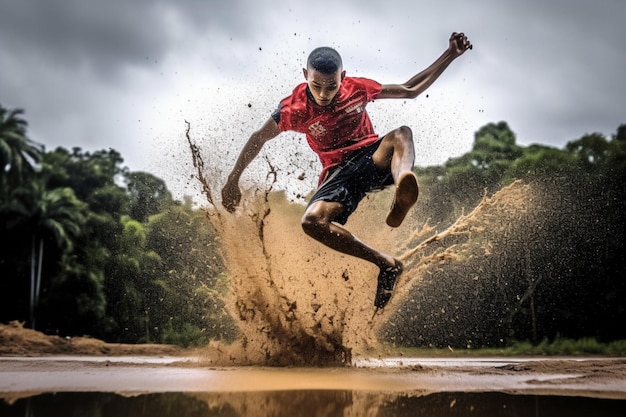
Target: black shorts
[350,181]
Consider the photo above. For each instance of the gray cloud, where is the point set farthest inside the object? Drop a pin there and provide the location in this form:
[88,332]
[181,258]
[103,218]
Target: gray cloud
[107,36]
[125,73]
[102,36]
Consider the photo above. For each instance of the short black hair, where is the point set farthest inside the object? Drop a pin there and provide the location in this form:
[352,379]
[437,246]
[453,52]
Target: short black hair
[325,60]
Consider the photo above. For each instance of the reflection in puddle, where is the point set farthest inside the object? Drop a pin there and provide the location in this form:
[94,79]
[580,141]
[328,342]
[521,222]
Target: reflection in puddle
[307,403]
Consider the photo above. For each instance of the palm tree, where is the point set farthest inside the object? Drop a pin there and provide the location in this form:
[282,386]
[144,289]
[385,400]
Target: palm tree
[48,216]
[18,154]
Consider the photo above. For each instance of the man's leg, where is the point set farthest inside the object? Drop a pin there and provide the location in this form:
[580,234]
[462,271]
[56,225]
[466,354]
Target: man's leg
[317,224]
[396,154]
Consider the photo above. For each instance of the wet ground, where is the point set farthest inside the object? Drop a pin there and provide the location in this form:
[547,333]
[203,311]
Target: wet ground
[310,403]
[164,386]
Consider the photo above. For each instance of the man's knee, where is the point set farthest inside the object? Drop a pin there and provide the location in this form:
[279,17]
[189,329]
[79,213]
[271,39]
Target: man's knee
[404,132]
[399,136]
[316,221]
[312,223]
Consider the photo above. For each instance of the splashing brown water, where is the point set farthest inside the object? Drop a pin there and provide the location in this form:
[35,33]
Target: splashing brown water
[299,303]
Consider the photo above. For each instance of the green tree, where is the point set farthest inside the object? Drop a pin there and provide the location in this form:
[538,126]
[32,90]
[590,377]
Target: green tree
[74,303]
[94,177]
[132,289]
[616,158]
[149,195]
[539,162]
[193,281]
[18,154]
[493,152]
[591,150]
[51,219]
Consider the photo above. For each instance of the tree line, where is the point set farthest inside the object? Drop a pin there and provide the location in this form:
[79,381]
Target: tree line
[91,248]
[558,271]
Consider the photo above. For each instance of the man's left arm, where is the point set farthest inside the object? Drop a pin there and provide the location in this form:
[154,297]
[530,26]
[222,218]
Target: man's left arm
[458,44]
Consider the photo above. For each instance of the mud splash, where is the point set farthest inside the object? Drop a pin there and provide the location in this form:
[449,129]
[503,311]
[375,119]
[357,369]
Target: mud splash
[471,235]
[298,303]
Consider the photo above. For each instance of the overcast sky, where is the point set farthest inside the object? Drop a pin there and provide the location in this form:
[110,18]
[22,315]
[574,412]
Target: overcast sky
[125,74]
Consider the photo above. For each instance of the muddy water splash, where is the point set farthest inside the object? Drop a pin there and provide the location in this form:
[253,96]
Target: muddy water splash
[299,303]
[469,240]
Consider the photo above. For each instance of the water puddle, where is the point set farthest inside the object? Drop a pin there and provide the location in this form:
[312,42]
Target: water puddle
[308,403]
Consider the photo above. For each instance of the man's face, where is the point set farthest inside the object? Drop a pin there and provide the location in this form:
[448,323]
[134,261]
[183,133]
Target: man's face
[324,87]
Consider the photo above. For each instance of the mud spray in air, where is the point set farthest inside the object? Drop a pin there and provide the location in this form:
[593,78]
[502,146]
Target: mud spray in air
[299,303]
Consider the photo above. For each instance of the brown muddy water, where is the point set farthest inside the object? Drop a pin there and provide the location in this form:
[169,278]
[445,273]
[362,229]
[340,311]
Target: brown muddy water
[308,403]
[163,387]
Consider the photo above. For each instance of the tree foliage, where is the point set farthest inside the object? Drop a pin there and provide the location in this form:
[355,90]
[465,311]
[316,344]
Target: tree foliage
[18,154]
[557,272]
[92,248]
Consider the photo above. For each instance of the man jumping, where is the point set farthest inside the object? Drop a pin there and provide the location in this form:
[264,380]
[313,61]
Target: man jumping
[329,108]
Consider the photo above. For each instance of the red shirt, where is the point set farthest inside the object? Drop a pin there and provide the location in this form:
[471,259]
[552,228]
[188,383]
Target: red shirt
[336,130]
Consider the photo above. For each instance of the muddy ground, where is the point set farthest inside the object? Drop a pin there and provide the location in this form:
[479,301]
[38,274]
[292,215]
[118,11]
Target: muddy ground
[33,363]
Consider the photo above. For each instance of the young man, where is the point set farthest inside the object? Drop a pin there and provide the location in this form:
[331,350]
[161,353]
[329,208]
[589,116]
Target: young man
[330,109]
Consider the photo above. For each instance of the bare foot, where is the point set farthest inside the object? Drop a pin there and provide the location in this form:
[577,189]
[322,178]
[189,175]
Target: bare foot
[405,197]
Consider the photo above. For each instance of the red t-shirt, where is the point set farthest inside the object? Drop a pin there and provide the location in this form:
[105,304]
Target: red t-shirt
[336,130]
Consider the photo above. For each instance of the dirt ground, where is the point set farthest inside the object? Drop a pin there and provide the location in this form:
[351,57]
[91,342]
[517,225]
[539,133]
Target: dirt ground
[32,363]
[15,340]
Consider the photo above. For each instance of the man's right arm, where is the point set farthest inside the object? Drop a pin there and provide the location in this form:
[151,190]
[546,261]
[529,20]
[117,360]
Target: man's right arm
[458,44]
[231,194]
